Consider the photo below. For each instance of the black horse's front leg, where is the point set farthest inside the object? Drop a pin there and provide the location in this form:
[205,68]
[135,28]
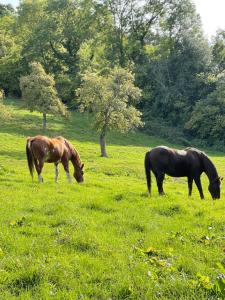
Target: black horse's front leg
[160,178]
[190,182]
[199,186]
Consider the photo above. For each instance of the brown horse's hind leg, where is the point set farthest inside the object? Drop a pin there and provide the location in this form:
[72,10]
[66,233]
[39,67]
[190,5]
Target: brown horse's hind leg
[38,166]
[160,178]
[190,182]
[199,186]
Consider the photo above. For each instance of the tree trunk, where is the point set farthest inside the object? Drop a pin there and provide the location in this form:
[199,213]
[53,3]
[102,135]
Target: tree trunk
[44,121]
[103,145]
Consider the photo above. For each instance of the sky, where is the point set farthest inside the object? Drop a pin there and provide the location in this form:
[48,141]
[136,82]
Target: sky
[212,13]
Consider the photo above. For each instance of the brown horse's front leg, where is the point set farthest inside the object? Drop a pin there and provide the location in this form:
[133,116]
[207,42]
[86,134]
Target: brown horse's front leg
[199,186]
[190,182]
[56,172]
[65,163]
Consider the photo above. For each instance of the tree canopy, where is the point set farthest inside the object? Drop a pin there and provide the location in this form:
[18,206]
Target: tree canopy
[39,93]
[110,98]
[161,41]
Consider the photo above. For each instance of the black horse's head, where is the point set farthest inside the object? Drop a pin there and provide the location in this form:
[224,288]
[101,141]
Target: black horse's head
[79,174]
[214,187]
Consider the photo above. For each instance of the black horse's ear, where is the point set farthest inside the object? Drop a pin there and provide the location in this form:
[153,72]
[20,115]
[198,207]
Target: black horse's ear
[82,166]
[221,178]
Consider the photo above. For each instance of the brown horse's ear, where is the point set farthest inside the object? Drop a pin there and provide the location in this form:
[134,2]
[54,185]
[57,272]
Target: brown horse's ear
[82,166]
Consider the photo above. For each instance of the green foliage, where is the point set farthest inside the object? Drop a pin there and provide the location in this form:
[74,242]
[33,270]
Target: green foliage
[218,50]
[10,54]
[65,88]
[171,82]
[39,93]
[208,117]
[110,98]
[161,41]
[6,9]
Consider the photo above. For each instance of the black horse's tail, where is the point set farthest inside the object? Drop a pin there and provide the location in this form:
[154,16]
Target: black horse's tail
[30,158]
[148,171]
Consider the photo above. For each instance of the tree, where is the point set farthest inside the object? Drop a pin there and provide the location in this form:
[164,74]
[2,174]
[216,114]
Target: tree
[218,50]
[207,121]
[39,93]
[175,59]
[6,9]
[10,54]
[110,99]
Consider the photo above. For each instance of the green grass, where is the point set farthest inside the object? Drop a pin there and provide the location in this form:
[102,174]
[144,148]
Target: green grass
[91,241]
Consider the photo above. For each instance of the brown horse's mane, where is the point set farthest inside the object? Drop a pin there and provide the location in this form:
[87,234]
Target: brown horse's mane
[74,153]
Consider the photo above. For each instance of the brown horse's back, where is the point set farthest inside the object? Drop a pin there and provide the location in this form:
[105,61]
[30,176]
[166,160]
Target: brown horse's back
[48,150]
[41,149]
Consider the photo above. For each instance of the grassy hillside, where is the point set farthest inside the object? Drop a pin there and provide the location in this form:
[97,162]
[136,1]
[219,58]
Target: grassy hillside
[104,239]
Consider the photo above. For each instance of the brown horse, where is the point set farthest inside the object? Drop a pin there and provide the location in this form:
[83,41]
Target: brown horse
[41,149]
[190,163]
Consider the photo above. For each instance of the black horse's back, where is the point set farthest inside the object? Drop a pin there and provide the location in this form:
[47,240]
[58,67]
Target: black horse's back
[175,163]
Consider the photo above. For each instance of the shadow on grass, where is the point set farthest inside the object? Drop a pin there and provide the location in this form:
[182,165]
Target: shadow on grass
[77,127]
[18,155]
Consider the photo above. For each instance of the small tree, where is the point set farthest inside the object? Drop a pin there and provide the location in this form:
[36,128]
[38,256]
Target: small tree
[109,99]
[39,93]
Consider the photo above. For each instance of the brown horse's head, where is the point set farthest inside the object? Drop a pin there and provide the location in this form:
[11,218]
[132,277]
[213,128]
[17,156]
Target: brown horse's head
[214,187]
[79,174]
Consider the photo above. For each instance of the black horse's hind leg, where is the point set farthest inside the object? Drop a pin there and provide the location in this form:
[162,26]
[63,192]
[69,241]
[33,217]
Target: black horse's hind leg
[190,182]
[199,186]
[159,178]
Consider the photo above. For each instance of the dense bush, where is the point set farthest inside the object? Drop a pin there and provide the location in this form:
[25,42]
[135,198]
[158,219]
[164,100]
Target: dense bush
[207,121]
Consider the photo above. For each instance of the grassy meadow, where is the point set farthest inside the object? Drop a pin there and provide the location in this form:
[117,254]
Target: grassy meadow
[104,239]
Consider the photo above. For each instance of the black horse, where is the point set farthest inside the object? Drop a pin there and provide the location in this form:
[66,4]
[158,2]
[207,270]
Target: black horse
[190,163]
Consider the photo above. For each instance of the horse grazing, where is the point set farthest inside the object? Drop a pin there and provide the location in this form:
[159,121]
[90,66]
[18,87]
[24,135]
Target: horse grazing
[190,163]
[41,149]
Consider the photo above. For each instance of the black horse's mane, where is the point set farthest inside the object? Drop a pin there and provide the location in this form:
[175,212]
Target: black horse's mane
[196,150]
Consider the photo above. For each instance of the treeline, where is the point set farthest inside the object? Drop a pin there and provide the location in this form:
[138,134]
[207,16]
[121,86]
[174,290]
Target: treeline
[180,74]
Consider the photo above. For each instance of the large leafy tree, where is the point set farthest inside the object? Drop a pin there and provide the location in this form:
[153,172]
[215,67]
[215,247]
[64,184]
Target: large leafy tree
[218,51]
[175,59]
[6,10]
[207,121]
[10,53]
[110,99]
[63,28]
[133,21]
[39,93]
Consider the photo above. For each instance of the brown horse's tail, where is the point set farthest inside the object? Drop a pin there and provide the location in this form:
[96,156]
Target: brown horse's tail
[148,171]
[30,158]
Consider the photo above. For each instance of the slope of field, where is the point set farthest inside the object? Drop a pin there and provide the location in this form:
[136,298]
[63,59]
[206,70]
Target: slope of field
[104,239]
